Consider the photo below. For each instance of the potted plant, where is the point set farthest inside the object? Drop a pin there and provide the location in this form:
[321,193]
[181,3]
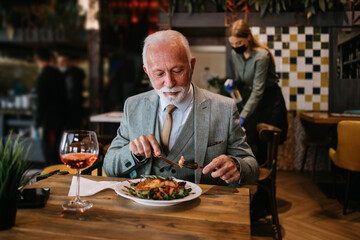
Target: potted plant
[13,165]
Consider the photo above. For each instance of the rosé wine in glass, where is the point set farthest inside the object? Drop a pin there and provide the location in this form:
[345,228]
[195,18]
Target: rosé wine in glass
[78,160]
[78,150]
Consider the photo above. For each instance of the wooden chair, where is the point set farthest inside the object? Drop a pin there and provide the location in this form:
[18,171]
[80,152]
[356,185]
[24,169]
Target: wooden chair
[104,144]
[94,170]
[97,166]
[267,179]
[347,153]
[60,167]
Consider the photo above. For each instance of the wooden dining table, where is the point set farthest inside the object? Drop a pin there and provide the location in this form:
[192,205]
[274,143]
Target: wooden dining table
[220,212]
[327,118]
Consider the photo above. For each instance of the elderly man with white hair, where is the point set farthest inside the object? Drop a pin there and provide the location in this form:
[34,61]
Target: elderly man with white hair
[179,119]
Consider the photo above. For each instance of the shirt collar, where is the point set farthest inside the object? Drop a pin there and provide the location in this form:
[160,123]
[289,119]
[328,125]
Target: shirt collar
[184,104]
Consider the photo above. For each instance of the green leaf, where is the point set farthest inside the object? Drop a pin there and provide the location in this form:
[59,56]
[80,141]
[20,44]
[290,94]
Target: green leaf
[306,4]
[322,5]
[330,4]
[13,165]
[263,6]
[270,7]
[312,9]
[257,5]
[190,8]
[278,8]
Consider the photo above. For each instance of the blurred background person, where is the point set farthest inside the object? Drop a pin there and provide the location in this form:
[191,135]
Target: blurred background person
[254,70]
[51,105]
[74,79]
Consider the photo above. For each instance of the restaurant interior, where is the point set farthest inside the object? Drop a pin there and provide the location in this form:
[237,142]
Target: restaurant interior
[312,178]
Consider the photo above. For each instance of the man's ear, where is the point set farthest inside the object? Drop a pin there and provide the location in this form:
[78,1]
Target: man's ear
[192,62]
[145,69]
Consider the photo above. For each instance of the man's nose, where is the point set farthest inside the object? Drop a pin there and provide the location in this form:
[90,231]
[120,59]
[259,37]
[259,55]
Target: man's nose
[169,81]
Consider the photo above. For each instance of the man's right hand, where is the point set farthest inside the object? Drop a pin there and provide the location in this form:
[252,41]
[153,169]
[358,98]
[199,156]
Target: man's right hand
[145,146]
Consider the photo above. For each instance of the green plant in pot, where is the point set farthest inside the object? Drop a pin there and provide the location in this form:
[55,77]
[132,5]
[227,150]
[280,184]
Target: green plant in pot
[13,165]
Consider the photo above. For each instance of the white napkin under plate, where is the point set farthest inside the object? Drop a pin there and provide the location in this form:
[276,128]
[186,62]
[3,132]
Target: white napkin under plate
[89,187]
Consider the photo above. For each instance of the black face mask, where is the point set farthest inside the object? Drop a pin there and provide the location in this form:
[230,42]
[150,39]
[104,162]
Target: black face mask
[240,50]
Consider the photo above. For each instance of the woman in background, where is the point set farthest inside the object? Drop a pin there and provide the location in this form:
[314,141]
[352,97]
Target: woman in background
[254,70]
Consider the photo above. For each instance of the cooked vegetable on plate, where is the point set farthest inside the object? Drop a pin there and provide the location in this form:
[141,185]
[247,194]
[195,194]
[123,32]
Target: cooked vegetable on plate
[158,188]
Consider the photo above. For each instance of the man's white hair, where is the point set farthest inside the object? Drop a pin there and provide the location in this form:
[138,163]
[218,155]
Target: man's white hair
[166,36]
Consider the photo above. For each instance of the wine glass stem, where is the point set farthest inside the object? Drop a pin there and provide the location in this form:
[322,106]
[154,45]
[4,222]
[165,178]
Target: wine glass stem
[77,198]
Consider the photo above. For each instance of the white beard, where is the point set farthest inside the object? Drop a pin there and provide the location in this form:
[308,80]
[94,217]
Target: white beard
[173,99]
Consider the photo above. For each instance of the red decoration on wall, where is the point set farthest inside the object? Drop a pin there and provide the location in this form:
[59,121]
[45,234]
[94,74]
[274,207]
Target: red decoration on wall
[355,7]
[165,7]
[131,11]
[232,10]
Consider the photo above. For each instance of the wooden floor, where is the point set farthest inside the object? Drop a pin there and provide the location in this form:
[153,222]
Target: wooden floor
[306,212]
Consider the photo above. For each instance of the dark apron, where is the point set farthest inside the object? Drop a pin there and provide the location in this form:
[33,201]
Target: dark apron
[271,110]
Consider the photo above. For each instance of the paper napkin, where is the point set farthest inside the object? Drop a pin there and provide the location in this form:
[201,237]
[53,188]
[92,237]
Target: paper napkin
[90,187]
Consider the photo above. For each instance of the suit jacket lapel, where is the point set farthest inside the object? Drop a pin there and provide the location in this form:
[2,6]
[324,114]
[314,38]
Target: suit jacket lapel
[202,121]
[149,115]
[149,118]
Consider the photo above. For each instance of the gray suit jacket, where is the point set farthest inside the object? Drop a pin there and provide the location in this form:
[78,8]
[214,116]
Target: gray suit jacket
[216,131]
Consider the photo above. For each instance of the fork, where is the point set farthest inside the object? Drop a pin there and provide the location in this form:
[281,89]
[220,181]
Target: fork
[186,164]
[191,165]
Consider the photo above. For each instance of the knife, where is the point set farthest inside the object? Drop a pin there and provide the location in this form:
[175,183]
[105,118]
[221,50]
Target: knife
[168,161]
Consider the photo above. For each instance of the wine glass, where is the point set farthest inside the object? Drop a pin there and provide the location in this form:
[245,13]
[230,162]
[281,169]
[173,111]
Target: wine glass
[78,150]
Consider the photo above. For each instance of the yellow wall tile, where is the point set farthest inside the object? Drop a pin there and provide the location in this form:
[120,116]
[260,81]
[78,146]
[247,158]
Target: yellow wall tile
[293,67]
[293,90]
[293,53]
[325,76]
[308,98]
[324,82]
[285,82]
[325,60]
[293,105]
[316,106]
[285,60]
[293,38]
[324,98]
[301,45]
[301,75]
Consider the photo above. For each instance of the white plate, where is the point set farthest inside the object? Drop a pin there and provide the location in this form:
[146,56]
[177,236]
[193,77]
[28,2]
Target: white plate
[122,191]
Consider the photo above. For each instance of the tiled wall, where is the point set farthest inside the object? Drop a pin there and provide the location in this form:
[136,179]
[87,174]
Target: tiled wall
[302,62]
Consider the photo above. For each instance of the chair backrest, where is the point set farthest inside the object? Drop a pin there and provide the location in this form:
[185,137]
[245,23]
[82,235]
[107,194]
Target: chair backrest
[348,147]
[271,135]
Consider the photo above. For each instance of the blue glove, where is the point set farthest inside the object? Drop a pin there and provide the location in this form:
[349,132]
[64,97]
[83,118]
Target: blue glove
[229,85]
[242,121]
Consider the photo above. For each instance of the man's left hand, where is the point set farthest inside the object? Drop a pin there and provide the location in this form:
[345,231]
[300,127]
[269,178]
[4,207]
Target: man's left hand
[224,168]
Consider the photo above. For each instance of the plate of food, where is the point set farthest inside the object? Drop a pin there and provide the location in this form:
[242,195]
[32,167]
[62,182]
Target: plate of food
[158,190]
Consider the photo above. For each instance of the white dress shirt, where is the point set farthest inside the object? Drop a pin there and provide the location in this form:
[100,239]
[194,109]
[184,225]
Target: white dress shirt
[179,115]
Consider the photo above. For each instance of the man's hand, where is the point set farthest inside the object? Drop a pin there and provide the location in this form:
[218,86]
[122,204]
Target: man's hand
[145,146]
[224,168]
